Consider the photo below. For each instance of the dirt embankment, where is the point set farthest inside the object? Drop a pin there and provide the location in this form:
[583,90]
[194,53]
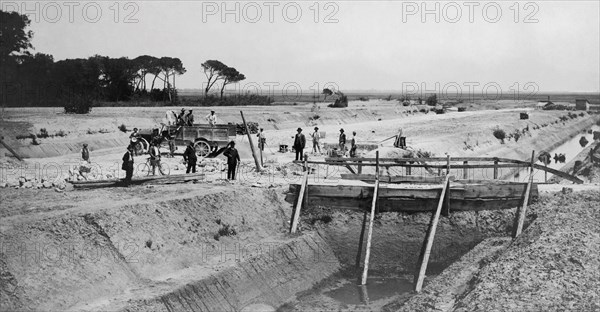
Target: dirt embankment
[552,266]
[102,252]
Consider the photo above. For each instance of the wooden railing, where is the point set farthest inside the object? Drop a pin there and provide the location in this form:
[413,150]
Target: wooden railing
[356,165]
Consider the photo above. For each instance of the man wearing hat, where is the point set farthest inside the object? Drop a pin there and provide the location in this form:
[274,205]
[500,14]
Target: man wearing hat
[212,118]
[261,140]
[85,153]
[315,137]
[233,157]
[299,143]
[128,164]
[189,156]
[342,141]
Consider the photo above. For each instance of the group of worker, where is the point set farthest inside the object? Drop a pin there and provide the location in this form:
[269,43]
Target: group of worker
[184,119]
[300,143]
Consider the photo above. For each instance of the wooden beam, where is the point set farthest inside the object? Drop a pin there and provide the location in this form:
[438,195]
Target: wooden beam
[11,150]
[394,179]
[256,159]
[298,209]
[151,180]
[424,257]
[371,220]
[520,217]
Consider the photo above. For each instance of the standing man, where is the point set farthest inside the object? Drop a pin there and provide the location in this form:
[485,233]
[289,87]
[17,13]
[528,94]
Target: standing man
[85,153]
[155,158]
[232,160]
[342,141]
[316,136]
[181,118]
[261,140]
[353,147]
[189,156]
[128,165]
[211,118]
[189,118]
[299,144]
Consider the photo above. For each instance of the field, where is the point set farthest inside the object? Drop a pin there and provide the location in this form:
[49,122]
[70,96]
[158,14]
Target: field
[169,225]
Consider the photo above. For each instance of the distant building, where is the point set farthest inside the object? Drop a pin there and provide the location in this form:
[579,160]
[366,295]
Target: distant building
[582,104]
[544,104]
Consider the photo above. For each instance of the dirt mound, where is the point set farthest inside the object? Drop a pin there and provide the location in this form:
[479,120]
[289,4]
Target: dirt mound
[552,266]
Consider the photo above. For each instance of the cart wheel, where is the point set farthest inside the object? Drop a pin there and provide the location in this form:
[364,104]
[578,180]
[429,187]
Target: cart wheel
[202,148]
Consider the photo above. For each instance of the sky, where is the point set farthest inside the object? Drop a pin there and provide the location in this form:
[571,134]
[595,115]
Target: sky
[429,46]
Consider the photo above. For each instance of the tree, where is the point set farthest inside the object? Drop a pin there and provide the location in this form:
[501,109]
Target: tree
[327,93]
[212,71]
[431,100]
[230,75]
[79,83]
[117,77]
[13,37]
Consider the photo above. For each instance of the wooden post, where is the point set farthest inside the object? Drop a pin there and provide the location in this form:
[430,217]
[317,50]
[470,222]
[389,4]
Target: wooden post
[261,157]
[408,170]
[371,219]
[465,170]
[429,239]
[360,167]
[495,169]
[256,160]
[532,163]
[448,165]
[303,190]
[9,148]
[520,217]
[545,172]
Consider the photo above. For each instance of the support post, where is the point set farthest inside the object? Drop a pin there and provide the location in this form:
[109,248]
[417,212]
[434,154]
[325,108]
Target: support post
[520,217]
[495,169]
[299,204]
[360,167]
[408,170]
[532,163]
[465,170]
[371,219]
[448,165]
[10,149]
[256,160]
[425,253]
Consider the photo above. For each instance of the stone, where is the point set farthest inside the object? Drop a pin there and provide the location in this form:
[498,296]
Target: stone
[27,184]
[47,184]
[3,184]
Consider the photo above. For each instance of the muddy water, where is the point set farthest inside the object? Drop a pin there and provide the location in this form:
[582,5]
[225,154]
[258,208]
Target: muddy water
[570,149]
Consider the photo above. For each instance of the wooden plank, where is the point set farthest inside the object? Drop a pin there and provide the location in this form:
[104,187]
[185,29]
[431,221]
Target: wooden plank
[152,180]
[11,150]
[394,179]
[520,217]
[429,239]
[419,165]
[298,208]
[371,220]
[559,173]
[370,235]
[433,159]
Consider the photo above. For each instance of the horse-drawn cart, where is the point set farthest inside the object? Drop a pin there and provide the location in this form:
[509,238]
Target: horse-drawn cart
[206,138]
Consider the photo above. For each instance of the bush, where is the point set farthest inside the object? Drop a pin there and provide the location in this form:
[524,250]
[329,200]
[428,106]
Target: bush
[122,127]
[432,100]
[61,133]
[499,134]
[78,104]
[34,141]
[25,136]
[462,109]
[517,135]
[225,230]
[43,133]
[363,99]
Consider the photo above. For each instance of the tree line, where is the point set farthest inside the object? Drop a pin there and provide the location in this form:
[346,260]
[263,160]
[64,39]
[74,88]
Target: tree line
[37,80]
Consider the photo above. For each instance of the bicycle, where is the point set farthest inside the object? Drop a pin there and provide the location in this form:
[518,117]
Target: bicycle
[146,168]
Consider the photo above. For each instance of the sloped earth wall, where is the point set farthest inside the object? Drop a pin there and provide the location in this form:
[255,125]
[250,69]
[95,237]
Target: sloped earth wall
[206,251]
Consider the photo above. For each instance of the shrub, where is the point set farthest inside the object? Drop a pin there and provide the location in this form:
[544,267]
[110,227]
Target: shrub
[432,100]
[388,98]
[122,127]
[61,133]
[462,109]
[225,230]
[581,114]
[43,133]
[363,99]
[424,110]
[499,134]
[34,141]
[25,136]
[517,135]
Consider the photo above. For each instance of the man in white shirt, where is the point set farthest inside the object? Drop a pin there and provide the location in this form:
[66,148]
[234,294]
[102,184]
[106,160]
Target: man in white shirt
[211,118]
[315,137]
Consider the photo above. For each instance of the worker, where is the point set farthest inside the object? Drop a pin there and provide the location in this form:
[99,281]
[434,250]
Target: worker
[342,141]
[189,118]
[128,165]
[85,153]
[211,118]
[400,140]
[189,157]
[172,147]
[316,136]
[181,118]
[262,140]
[232,160]
[155,158]
[299,144]
[134,137]
[353,146]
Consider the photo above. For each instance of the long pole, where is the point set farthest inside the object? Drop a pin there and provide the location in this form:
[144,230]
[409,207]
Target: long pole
[256,159]
[371,219]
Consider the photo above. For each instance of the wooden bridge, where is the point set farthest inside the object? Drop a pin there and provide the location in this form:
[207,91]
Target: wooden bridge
[438,194]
